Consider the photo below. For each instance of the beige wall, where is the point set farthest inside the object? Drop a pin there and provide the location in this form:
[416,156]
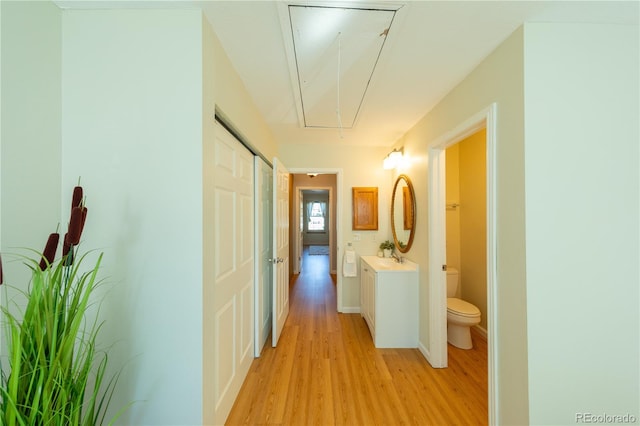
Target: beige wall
[225,94]
[452,189]
[233,103]
[473,222]
[500,79]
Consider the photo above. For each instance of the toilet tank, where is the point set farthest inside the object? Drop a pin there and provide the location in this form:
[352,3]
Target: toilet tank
[452,281]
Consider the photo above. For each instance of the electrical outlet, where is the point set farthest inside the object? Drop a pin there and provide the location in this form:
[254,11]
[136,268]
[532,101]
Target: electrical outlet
[356,237]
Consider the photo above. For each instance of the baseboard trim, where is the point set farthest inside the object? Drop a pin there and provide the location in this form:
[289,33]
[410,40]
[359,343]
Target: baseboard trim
[480,331]
[425,352]
[351,309]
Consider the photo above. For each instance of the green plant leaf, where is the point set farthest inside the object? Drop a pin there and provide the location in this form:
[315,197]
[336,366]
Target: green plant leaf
[57,375]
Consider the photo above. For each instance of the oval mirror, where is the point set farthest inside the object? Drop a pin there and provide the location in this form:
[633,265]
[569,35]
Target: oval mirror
[403,213]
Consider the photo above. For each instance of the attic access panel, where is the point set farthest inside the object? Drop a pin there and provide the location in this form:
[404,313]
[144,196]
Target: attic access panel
[336,51]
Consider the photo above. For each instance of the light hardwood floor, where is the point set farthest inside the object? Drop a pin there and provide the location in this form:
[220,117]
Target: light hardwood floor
[326,371]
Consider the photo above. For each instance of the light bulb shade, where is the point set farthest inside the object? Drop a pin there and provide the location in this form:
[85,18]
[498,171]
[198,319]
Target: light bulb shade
[387,163]
[396,157]
[393,160]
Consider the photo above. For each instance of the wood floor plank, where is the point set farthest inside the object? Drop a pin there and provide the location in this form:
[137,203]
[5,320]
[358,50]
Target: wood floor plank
[326,371]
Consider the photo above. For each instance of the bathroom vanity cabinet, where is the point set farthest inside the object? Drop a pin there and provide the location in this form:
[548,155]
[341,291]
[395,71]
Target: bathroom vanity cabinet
[389,301]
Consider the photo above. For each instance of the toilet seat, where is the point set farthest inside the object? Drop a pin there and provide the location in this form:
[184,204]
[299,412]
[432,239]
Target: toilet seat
[461,308]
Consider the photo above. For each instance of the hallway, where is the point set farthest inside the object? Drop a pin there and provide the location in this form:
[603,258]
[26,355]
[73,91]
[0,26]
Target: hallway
[326,371]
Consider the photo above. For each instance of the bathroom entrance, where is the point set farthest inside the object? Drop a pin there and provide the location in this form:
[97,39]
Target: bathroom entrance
[466,224]
[469,245]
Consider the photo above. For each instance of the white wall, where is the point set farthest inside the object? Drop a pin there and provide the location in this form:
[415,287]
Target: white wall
[582,200]
[132,128]
[30,137]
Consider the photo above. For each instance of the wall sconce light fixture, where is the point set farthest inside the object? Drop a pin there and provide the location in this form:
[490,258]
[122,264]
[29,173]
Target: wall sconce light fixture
[393,159]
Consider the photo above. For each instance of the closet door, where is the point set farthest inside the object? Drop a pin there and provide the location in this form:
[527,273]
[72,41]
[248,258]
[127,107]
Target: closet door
[264,282]
[280,249]
[232,308]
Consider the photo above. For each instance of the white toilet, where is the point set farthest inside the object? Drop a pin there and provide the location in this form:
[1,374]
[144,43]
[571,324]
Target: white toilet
[461,315]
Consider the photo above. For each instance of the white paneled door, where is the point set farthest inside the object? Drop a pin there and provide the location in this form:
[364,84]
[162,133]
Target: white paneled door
[264,278]
[280,249]
[233,301]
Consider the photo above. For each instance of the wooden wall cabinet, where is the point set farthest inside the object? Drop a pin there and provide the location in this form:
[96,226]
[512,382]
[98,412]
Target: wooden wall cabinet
[365,208]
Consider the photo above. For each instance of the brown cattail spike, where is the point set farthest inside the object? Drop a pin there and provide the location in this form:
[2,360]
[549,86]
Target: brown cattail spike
[75,225]
[67,250]
[77,197]
[84,219]
[66,245]
[49,250]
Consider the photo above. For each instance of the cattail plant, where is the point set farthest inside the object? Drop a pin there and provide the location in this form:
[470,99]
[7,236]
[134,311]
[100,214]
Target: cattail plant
[76,199]
[57,374]
[76,224]
[49,252]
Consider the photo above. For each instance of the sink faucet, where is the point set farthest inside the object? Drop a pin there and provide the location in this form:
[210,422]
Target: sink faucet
[398,259]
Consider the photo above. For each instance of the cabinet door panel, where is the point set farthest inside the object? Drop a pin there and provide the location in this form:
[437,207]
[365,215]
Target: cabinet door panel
[365,208]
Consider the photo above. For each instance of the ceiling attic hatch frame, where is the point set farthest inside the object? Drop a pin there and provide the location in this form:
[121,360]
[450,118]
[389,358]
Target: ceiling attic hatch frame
[333,50]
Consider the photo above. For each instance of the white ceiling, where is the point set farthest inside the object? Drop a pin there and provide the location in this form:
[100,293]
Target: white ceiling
[335,53]
[431,47]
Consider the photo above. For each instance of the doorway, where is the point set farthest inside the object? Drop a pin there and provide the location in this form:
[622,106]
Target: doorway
[316,224]
[437,302]
[328,180]
[466,248]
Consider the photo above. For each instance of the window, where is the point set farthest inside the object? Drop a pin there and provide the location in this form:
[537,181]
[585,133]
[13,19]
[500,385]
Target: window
[316,215]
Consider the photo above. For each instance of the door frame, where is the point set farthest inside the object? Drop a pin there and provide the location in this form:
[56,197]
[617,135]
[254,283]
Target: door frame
[338,237]
[437,354]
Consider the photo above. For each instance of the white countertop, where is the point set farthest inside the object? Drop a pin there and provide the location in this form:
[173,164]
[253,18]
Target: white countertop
[389,264]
